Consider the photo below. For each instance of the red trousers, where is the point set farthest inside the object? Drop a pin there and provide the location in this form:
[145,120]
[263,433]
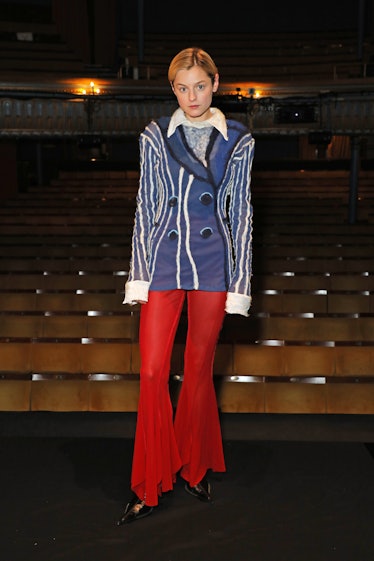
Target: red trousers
[191,442]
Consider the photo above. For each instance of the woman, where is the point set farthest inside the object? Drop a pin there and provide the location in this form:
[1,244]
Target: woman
[192,240]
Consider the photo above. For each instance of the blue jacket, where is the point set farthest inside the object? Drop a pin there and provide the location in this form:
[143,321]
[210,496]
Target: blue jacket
[193,223]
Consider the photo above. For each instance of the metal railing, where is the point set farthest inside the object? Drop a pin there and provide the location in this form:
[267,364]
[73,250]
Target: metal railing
[124,108]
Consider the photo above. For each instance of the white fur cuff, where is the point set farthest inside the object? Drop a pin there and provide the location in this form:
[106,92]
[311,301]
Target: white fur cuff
[238,304]
[136,291]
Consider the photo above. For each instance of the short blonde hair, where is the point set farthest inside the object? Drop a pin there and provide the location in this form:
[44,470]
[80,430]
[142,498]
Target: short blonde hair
[187,58]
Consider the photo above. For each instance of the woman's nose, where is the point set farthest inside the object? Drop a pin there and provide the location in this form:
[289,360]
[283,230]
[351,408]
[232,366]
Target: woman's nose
[191,94]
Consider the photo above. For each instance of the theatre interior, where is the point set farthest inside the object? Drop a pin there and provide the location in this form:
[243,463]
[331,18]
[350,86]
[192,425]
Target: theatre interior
[79,81]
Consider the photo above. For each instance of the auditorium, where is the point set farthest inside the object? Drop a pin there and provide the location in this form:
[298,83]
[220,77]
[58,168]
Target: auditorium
[294,381]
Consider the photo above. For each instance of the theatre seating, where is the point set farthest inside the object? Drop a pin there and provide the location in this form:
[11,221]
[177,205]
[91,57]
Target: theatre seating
[32,49]
[67,343]
[257,57]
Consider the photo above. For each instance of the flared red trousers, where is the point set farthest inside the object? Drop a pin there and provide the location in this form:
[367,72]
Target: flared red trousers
[190,442]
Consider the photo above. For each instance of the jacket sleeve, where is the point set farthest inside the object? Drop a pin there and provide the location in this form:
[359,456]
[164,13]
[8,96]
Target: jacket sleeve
[137,285]
[240,217]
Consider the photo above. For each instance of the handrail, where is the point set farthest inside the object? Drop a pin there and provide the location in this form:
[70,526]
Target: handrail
[52,110]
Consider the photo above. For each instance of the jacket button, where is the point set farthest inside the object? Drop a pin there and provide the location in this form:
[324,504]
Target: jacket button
[206,232]
[206,198]
[173,201]
[173,234]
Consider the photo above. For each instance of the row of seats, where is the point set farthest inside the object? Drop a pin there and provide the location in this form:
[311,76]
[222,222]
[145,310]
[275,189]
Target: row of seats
[264,57]
[67,342]
[36,50]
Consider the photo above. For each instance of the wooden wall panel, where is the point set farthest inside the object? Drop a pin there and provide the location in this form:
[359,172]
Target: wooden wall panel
[15,395]
[60,395]
[114,395]
[350,398]
[295,398]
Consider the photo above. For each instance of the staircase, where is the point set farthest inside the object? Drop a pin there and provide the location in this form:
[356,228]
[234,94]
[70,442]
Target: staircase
[67,343]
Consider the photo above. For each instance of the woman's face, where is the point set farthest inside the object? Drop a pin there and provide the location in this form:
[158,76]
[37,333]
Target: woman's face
[194,91]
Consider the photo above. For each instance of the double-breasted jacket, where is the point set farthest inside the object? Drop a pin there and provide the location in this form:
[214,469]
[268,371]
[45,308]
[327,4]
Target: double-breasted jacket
[193,221]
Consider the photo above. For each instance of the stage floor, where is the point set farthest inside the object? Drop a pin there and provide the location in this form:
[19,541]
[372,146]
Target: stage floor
[278,501]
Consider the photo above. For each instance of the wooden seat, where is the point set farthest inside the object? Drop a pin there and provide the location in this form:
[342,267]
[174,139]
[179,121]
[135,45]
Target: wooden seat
[70,344]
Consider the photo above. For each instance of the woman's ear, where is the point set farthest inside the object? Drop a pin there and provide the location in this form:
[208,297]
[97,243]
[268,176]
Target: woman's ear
[215,83]
[172,87]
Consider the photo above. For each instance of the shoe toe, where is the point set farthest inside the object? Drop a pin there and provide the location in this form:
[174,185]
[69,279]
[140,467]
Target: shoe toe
[135,510]
[201,491]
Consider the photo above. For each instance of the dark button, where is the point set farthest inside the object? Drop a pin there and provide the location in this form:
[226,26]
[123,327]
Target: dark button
[173,201]
[206,232]
[206,198]
[173,234]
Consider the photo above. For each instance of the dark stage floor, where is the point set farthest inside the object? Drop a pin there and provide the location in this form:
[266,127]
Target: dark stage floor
[278,501]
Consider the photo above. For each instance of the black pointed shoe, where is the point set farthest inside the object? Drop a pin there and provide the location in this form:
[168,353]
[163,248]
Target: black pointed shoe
[201,491]
[135,510]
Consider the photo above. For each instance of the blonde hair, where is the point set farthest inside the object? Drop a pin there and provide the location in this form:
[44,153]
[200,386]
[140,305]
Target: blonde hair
[187,58]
